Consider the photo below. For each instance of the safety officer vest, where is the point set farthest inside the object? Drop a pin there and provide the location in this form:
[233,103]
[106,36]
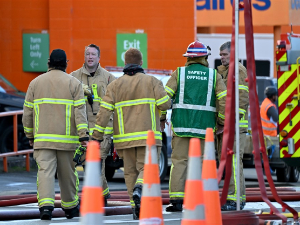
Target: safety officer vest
[268,127]
[194,108]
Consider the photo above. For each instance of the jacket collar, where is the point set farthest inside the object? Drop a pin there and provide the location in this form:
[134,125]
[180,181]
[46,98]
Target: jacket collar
[97,72]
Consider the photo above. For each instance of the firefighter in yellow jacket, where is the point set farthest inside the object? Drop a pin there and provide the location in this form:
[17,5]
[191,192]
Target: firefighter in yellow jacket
[243,124]
[135,98]
[55,123]
[94,80]
[198,94]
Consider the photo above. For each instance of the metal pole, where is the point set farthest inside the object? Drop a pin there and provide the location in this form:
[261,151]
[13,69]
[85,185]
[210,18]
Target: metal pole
[15,132]
[237,115]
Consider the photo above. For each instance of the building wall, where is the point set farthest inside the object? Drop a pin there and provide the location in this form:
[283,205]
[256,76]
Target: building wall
[73,24]
[16,17]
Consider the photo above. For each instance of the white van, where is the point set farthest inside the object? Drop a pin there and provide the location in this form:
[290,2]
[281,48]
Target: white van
[263,51]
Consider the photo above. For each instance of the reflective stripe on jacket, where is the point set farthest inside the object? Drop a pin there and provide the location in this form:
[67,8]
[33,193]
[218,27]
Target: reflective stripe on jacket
[54,112]
[135,101]
[268,127]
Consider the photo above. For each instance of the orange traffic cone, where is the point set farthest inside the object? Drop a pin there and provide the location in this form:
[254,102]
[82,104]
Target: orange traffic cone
[91,209]
[213,214]
[151,202]
[194,213]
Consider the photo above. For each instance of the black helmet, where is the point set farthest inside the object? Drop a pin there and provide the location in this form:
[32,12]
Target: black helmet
[270,91]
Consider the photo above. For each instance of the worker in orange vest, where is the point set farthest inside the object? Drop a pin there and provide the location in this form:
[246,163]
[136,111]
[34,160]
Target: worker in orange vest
[269,113]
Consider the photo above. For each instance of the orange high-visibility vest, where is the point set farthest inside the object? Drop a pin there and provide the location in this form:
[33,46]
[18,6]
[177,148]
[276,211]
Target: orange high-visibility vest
[268,127]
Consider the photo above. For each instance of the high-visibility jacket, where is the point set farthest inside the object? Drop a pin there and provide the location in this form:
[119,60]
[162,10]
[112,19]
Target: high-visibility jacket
[218,93]
[194,109]
[268,127]
[54,112]
[135,101]
[243,94]
[98,84]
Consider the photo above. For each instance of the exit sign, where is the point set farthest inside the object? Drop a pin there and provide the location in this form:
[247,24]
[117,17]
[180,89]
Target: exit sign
[35,52]
[126,41]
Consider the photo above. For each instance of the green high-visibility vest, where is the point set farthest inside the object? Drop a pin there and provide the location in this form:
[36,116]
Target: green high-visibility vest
[194,107]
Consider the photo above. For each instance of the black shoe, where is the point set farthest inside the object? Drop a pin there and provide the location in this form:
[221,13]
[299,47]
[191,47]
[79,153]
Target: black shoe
[46,212]
[105,199]
[136,214]
[137,195]
[230,205]
[74,212]
[175,206]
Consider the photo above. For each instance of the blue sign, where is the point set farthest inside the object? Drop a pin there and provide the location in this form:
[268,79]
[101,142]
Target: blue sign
[259,5]
[295,4]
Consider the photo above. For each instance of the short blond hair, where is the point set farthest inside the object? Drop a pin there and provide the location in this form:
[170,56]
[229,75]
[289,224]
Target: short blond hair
[133,56]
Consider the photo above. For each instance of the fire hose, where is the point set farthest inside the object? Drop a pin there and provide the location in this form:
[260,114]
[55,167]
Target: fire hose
[257,135]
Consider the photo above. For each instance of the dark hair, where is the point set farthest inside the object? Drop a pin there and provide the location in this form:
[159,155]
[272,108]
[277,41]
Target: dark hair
[94,46]
[270,91]
[58,65]
[226,45]
[133,56]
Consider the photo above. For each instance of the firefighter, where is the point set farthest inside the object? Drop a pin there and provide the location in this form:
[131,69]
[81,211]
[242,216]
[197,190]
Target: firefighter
[269,113]
[243,125]
[94,81]
[198,94]
[135,98]
[55,123]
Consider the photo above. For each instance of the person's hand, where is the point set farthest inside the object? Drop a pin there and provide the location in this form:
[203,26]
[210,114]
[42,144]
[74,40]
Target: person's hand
[31,142]
[84,143]
[219,129]
[163,124]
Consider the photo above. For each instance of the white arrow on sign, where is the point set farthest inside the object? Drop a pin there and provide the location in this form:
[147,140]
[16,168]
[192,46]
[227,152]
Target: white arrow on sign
[33,64]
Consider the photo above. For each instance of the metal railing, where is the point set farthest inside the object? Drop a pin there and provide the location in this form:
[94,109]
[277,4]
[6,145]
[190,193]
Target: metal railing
[16,151]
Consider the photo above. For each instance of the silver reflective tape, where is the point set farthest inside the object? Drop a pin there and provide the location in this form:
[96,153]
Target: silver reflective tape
[92,174]
[153,151]
[194,107]
[191,130]
[197,214]
[91,218]
[210,86]
[152,190]
[209,151]
[182,82]
[194,168]
[210,185]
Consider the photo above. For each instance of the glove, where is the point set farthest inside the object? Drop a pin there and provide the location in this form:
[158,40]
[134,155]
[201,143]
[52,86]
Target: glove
[78,154]
[86,89]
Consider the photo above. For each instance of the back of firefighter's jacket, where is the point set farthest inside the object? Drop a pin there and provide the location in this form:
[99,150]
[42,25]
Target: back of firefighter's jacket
[54,111]
[135,101]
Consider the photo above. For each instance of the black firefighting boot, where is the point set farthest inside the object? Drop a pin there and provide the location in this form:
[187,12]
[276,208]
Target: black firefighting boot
[135,213]
[73,212]
[175,206]
[46,212]
[230,205]
[105,199]
[137,195]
